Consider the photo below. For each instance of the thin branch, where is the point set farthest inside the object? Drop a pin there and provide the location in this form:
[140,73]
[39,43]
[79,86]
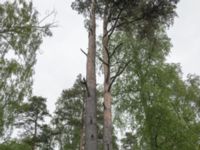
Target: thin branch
[102,60]
[84,52]
[118,73]
[18,29]
[112,29]
[97,57]
[109,15]
[48,15]
[111,11]
[115,49]
[129,21]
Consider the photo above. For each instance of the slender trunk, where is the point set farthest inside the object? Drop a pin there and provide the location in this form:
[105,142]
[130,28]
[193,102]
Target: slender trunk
[35,134]
[91,123]
[82,138]
[82,141]
[60,142]
[107,135]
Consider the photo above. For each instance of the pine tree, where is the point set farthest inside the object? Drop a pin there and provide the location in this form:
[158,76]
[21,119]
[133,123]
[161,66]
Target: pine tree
[31,120]
[123,16]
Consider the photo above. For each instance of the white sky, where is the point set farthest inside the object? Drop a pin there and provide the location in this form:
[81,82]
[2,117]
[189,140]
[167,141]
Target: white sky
[60,59]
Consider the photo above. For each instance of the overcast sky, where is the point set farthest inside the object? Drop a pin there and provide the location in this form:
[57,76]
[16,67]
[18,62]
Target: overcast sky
[60,60]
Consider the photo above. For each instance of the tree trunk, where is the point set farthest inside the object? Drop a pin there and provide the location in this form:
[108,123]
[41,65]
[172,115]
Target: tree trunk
[82,138]
[61,143]
[107,134]
[35,134]
[91,123]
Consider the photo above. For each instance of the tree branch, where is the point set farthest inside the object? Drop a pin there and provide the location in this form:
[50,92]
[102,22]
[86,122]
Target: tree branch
[97,57]
[102,61]
[112,29]
[19,29]
[84,52]
[118,73]
[129,21]
[115,49]
[47,16]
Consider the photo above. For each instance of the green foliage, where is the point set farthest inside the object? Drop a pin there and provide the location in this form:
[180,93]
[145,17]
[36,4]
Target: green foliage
[68,116]
[31,120]
[46,138]
[160,106]
[139,42]
[13,145]
[129,142]
[154,106]
[34,110]
[144,15]
[20,37]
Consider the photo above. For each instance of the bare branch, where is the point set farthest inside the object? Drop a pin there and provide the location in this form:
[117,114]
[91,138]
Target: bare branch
[84,52]
[115,49]
[47,16]
[102,60]
[97,57]
[118,73]
[129,21]
[112,29]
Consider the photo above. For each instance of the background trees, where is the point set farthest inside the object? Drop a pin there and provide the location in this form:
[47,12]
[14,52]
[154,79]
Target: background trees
[20,37]
[32,115]
[69,119]
[152,105]
[140,16]
[154,97]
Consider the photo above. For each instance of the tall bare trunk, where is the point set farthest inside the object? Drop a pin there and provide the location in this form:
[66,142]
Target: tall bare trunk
[91,123]
[107,135]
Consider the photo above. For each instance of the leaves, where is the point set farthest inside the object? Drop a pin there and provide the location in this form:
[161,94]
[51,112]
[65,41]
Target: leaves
[154,97]
[31,119]
[20,37]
